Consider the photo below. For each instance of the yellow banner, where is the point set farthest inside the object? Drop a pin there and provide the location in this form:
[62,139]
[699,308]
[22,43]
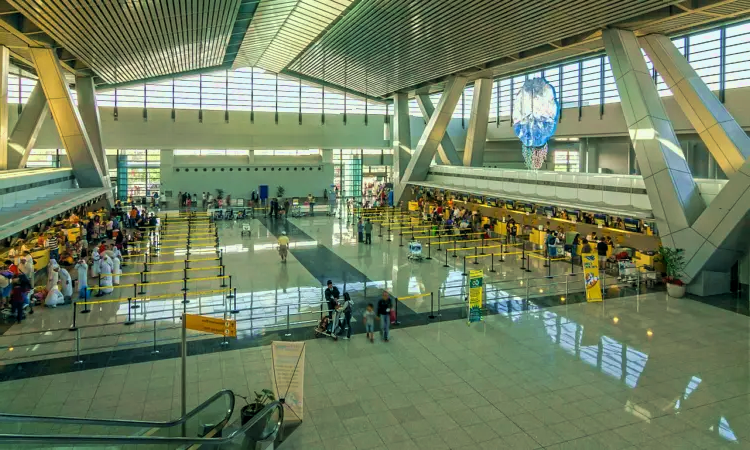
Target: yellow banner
[289,375]
[476,278]
[413,206]
[211,325]
[591,277]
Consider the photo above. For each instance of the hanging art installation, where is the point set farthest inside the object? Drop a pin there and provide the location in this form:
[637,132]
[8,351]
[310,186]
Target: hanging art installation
[535,116]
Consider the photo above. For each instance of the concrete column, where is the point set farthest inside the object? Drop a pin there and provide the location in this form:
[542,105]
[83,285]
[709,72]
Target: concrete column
[4,66]
[90,116]
[68,121]
[433,134]
[476,134]
[725,139]
[711,167]
[592,157]
[446,150]
[27,128]
[401,135]
[583,151]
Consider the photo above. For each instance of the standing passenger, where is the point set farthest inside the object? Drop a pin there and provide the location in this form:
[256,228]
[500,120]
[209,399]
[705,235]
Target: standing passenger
[384,311]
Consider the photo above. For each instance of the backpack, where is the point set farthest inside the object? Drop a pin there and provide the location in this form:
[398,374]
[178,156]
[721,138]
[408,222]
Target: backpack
[349,302]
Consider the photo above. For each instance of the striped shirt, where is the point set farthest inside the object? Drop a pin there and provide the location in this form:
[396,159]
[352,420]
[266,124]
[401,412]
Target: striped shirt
[52,243]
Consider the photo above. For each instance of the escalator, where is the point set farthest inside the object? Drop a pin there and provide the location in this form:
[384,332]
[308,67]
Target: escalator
[205,427]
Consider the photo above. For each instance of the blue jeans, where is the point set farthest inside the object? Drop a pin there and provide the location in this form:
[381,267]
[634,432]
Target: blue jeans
[82,292]
[385,325]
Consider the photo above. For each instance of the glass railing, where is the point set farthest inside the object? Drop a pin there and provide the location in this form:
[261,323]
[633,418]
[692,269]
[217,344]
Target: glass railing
[203,427]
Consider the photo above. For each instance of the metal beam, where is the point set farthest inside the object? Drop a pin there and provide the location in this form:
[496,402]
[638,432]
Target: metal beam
[27,128]
[725,139]
[433,134]
[4,66]
[476,135]
[68,121]
[446,149]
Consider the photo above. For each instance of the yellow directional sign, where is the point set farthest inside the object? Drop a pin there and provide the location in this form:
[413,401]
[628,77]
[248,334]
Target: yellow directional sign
[211,325]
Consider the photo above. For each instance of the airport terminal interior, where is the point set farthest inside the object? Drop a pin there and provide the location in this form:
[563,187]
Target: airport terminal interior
[374,224]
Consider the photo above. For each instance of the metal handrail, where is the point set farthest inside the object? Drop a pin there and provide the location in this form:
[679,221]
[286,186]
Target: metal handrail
[127,423]
[77,439]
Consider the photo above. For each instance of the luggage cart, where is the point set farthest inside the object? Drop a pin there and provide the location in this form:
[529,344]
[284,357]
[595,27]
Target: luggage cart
[627,272]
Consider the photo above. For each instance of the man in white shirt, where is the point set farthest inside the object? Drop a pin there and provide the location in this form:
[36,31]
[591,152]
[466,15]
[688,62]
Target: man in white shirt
[204,197]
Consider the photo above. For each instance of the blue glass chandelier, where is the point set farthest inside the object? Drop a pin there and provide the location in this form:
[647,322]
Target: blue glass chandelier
[535,116]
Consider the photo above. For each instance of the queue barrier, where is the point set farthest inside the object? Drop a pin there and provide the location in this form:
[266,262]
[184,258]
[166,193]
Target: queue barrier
[176,261]
[411,297]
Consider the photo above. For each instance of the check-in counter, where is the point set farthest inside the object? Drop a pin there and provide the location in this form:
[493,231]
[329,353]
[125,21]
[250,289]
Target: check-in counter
[41,258]
[538,237]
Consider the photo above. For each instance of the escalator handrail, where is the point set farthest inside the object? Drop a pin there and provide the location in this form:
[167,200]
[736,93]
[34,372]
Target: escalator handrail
[127,423]
[62,439]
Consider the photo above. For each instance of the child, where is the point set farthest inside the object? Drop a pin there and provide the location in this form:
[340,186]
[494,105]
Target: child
[369,321]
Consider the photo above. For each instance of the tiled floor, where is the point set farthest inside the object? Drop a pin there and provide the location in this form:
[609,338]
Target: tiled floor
[648,373]
[268,292]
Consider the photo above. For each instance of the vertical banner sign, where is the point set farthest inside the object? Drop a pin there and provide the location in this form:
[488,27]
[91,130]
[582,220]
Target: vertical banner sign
[591,277]
[475,295]
[288,360]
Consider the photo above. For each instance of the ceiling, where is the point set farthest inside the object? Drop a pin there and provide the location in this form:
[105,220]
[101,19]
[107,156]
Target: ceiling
[383,46]
[371,47]
[121,41]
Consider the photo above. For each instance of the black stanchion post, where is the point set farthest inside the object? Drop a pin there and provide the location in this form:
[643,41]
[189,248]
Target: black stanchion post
[185,301]
[549,267]
[454,248]
[389,233]
[492,262]
[145,265]
[429,247]
[476,258]
[396,322]
[129,321]
[380,232]
[400,240]
[501,252]
[142,291]
[235,310]
[446,258]
[224,282]
[523,257]
[432,306]
[232,295]
[184,274]
[73,327]
[572,265]
[464,272]
[483,244]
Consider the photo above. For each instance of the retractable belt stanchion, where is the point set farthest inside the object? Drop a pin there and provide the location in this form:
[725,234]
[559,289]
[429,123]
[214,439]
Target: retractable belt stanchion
[476,259]
[429,247]
[446,258]
[432,304]
[492,261]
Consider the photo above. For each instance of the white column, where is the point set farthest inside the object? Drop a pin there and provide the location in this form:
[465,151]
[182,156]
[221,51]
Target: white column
[476,134]
[433,133]
[4,66]
[726,140]
[27,128]
[446,150]
[68,121]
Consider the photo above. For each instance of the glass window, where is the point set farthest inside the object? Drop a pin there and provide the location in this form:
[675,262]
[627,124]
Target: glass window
[566,160]
[48,157]
[570,79]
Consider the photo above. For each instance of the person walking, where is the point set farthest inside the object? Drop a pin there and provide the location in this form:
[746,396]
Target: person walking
[369,321]
[360,231]
[283,246]
[384,312]
[368,232]
[347,307]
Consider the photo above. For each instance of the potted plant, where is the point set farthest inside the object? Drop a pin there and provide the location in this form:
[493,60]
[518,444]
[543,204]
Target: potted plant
[280,192]
[674,263]
[219,194]
[257,431]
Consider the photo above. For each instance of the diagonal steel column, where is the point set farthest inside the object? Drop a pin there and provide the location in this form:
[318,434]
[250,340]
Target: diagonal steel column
[26,130]
[712,237]
[90,116]
[476,134]
[446,149]
[68,121]
[401,135]
[4,66]
[725,139]
[432,135]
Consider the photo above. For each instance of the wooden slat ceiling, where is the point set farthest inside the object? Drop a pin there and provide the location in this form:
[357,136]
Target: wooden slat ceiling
[281,29]
[127,40]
